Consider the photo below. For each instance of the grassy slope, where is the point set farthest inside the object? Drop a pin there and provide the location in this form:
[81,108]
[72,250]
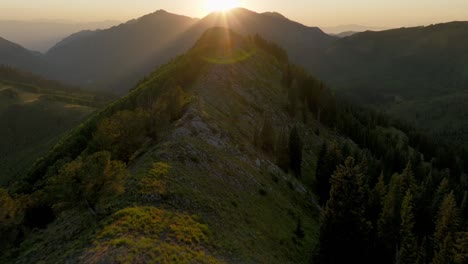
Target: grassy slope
[204,170]
[33,119]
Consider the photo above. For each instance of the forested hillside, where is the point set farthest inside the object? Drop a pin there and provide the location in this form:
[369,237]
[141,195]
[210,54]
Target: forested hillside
[232,154]
[415,74]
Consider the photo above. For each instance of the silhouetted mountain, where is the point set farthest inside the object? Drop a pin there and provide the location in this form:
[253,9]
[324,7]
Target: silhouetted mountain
[334,30]
[116,58]
[14,55]
[301,42]
[41,34]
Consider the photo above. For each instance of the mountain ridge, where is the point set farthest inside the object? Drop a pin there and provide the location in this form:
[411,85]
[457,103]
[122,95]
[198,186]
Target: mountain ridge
[229,153]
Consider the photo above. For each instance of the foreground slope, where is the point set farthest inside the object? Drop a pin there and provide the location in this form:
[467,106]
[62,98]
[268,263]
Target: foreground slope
[230,154]
[192,164]
[34,113]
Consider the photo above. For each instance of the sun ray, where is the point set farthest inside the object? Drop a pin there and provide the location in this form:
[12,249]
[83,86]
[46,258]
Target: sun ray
[221,5]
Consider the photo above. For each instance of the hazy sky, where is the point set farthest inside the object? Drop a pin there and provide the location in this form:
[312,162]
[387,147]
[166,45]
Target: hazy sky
[388,13]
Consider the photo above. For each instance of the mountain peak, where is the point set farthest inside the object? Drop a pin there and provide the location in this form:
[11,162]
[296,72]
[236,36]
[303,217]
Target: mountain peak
[275,14]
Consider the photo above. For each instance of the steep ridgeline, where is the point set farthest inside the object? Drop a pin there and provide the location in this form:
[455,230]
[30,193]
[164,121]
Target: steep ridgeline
[225,155]
[116,58]
[417,74]
[34,113]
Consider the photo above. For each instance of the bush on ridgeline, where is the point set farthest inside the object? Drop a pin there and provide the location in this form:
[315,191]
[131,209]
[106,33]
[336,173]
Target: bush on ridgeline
[10,217]
[88,182]
[121,134]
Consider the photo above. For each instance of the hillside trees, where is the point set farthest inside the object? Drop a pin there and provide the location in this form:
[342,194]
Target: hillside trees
[295,152]
[446,229]
[329,158]
[408,252]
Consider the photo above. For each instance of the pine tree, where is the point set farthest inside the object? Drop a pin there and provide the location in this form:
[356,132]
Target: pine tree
[408,244]
[376,199]
[282,152]
[267,136]
[344,231]
[389,221]
[295,152]
[329,158]
[440,194]
[408,181]
[422,252]
[461,248]
[445,232]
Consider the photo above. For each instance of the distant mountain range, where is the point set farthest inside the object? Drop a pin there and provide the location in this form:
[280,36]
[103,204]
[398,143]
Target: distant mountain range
[13,54]
[335,30]
[41,35]
[114,59]
[377,68]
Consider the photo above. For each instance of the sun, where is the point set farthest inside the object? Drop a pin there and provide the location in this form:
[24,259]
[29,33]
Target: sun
[221,5]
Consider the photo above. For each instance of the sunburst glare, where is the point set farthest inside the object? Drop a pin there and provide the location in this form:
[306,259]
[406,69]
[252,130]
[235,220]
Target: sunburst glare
[221,5]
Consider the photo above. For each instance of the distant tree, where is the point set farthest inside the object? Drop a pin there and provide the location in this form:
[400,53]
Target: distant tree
[9,208]
[295,152]
[446,229]
[422,252]
[461,248]
[299,232]
[408,180]
[10,218]
[178,99]
[440,194]
[344,231]
[464,205]
[282,151]
[376,199]
[408,252]
[329,158]
[293,98]
[89,182]
[287,76]
[267,136]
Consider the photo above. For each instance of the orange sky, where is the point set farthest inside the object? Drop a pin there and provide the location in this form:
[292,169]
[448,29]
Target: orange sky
[386,13]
